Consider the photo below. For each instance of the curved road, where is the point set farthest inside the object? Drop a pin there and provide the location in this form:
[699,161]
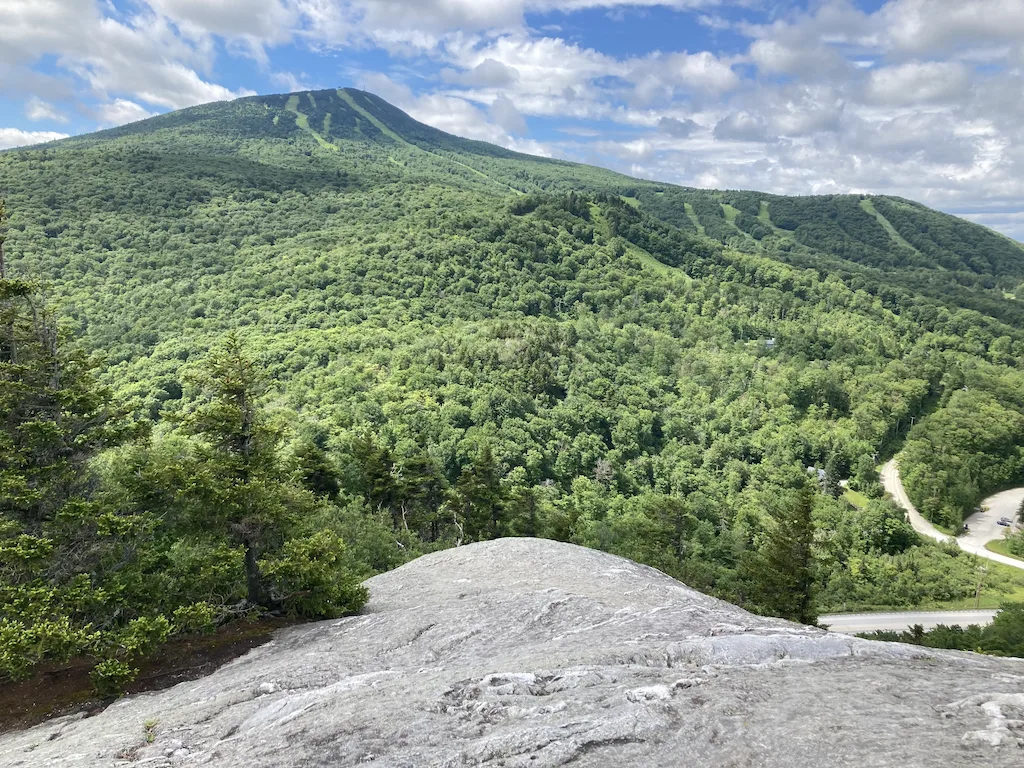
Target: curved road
[852,623]
[982,524]
[984,528]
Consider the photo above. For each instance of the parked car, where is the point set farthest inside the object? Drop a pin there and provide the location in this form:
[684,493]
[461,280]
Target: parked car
[1005,522]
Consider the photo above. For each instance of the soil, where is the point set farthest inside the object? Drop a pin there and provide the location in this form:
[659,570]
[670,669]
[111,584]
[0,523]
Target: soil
[65,689]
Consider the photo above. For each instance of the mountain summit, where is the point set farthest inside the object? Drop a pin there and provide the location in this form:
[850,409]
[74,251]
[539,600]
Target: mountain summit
[533,653]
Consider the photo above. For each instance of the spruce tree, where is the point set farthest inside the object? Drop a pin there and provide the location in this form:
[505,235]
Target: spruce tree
[785,572]
[239,480]
[479,498]
[54,537]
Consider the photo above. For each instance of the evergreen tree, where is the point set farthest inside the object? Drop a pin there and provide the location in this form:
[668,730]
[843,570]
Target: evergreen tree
[419,495]
[314,467]
[56,541]
[785,567]
[238,457]
[479,498]
[238,486]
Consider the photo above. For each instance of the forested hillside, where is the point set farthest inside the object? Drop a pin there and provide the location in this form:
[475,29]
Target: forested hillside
[330,334]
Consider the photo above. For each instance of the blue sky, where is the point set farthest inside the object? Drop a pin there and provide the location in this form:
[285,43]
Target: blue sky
[919,98]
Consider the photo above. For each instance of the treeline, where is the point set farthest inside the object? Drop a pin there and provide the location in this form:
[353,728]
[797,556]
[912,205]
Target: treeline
[1003,637]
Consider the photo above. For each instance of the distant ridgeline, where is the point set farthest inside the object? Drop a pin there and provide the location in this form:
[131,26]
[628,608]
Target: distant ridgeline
[464,342]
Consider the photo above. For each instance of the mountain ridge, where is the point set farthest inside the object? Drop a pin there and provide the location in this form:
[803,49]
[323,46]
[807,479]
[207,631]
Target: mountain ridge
[421,132]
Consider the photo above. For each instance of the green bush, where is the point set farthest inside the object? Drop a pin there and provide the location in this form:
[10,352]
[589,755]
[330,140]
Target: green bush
[24,644]
[1015,543]
[197,619]
[142,636]
[111,676]
[311,578]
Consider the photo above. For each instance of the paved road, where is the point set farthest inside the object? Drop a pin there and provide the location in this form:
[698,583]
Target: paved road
[851,623]
[984,525]
[1000,505]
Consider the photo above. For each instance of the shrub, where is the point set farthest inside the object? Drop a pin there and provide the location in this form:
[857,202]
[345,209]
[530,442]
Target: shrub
[311,578]
[110,677]
[198,619]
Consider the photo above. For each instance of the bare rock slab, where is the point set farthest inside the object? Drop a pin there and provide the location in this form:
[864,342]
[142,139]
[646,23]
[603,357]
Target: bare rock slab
[524,652]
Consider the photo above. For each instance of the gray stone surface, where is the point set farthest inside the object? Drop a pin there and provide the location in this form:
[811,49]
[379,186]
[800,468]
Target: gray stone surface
[533,653]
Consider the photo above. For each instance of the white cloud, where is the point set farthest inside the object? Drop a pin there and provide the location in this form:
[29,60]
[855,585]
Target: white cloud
[677,129]
[140,56]
[264,20]
[422,23]
[489,73]
[810,61]
[37,109]
[703,71]
[742,126]
[13,137]
[662,77]
[925,27]
[289,81]
[505,114]
[918,83]
[121,111]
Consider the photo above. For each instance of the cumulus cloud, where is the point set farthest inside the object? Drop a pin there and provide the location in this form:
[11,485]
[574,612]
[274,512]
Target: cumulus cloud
[13,137]
[663,77]
[809,60]
[121,111]
[918,82]
[264,20]
[505,114]
[939,26]
[36,109]
[140,56]
[289,81]
[677,129]
[489,73]
[742,126]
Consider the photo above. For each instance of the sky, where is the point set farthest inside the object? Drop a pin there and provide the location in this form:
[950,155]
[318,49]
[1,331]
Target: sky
[918,98]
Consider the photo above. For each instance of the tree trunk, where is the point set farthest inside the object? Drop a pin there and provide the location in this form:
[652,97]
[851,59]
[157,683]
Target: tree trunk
[253,578]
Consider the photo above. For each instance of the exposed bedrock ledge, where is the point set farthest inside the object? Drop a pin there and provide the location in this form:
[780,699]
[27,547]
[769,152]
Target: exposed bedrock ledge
[524,652]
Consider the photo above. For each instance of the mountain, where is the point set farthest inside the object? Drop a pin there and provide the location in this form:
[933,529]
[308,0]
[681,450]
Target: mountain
[476,342]
[531,653]
[326,147]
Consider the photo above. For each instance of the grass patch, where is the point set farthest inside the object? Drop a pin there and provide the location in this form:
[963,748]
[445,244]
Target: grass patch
[1003,584]
[868,207]
[1000,548]
[692,215]
[856,498]
[1012,591]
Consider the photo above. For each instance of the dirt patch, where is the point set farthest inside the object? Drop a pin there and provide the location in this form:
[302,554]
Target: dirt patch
[65,689]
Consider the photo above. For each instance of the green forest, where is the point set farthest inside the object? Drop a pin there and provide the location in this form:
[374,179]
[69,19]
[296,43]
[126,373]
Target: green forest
[254,352]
